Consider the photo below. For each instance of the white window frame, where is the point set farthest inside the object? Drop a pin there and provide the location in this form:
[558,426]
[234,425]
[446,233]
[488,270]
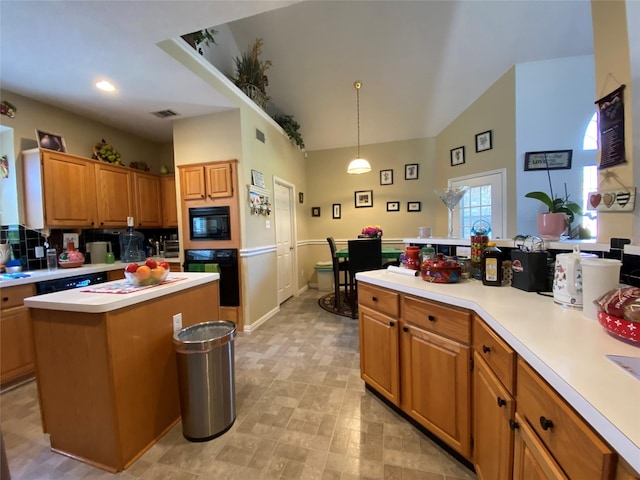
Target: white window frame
[498,181]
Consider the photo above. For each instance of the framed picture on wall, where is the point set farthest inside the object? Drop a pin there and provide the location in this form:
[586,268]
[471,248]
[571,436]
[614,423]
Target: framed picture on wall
[337,210]
[414,206]
[457,156]
[483,141]
[363,198]
[300,197]
[550,160]
[393,206]
[386,177]
[315,211]
[411,171]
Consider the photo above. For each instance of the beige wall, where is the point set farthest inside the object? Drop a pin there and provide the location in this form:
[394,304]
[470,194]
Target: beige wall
[79,133]
[613,67]
[494,110]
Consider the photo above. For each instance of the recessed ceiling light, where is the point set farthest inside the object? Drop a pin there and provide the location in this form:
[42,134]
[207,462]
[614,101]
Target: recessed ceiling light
[106,86]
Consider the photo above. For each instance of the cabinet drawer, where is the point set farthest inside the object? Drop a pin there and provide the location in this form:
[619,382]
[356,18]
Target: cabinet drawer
[13,296]
[578,450]
[498,355]
[446,320]
[379,299]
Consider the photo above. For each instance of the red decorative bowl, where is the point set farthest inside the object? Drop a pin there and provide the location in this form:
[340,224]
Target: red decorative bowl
[440,270]
[619,326]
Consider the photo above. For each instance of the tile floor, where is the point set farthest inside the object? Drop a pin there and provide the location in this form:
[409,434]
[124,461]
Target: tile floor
[302,413]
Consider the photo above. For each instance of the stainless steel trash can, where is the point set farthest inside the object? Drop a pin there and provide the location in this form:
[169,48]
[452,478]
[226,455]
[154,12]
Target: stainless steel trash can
[205,357]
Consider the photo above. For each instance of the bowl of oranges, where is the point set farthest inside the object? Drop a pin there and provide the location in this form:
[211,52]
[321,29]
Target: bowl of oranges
[149,273]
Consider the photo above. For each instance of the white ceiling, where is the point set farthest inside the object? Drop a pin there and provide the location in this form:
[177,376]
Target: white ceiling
[422,63]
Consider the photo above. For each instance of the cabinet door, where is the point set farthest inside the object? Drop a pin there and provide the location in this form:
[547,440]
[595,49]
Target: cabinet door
[493,407]
[192,183]
[148,202]
[219,180]
[114,192]
[169,202]
[69,190]
[379,361]
[16,343]
[531,460]
[436,383]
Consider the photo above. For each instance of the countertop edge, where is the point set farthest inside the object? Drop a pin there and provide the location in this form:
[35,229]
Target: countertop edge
[611,432]
[89,302]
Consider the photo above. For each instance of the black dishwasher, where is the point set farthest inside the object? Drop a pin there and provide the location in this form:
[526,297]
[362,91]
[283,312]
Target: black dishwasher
[67,283]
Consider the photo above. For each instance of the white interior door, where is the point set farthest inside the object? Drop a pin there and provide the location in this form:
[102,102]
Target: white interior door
[285,238]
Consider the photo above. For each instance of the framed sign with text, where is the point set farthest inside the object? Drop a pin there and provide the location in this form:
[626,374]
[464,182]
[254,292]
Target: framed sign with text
[550,160]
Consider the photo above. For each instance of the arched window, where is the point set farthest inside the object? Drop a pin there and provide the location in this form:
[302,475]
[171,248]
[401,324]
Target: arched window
[590,140]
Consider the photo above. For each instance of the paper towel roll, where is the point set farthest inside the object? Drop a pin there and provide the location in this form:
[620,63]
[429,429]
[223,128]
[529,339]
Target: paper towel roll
[403,271]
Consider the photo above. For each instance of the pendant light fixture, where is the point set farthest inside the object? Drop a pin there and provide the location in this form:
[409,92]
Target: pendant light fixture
[358,165]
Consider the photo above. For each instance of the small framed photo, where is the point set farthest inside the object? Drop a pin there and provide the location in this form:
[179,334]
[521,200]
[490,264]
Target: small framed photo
[551,160]
[300,197]
[393,206]
[337,210]
[411,171]
[315,211]
[483,141]
[257,178]
[50,141]
[363,198]
[414,206]
[457,156]
[386,177]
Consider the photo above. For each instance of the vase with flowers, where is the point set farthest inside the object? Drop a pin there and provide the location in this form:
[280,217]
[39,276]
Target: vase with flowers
[561,212]
[371,231]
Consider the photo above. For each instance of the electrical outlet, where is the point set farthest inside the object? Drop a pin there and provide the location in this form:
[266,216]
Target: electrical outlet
[177,322]
[267,223]
[39,252]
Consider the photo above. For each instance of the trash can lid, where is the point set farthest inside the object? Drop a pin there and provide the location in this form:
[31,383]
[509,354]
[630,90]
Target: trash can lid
[204,336]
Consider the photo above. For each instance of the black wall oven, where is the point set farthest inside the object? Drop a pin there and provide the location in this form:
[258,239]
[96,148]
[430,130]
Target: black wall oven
[209,223]
[227,261]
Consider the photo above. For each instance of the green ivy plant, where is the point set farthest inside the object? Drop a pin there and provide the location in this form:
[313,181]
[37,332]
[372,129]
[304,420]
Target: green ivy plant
[206,36]
[291,128]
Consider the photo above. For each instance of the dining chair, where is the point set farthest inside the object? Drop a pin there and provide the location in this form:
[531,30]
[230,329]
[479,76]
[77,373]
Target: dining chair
[338,267]
[364,254]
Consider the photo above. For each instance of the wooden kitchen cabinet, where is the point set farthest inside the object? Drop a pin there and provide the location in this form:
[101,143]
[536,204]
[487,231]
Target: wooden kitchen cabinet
[169,202]
[148,202]
[562,437]
[493,403]
[114,195]
[59,190]
[16,341]
[436,370]
[204,182]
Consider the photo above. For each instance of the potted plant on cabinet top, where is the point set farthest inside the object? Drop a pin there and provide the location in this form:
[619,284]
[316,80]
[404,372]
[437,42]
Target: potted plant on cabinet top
[250,74]
[561,213]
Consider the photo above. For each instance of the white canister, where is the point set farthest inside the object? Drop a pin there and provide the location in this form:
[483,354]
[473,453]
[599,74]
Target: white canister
[98,251]
[567,278]
[599,275]
[5,253]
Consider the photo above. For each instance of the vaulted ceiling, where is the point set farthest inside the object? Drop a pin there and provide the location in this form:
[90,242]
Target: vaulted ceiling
[422,63]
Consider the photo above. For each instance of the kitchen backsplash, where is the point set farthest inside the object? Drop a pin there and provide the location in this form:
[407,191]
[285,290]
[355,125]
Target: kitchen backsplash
[24,242]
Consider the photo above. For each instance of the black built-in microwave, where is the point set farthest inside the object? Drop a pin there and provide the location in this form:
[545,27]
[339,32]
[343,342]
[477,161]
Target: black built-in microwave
[209,223]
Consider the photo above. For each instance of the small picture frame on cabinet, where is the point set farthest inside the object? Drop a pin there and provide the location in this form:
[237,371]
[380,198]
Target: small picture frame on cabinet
[50,141]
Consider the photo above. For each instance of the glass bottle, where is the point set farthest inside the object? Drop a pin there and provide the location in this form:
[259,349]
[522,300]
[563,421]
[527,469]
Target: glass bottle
[492,265]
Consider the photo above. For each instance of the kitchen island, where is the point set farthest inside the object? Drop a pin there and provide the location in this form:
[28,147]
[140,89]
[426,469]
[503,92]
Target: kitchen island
[106,368]
[565,348]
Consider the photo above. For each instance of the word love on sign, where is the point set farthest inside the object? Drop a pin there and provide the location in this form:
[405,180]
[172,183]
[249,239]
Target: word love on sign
[622,200]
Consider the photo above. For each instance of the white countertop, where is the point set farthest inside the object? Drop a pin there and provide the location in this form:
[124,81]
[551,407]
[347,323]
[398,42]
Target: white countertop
[567,349]
[75,300]
[41,275]
[586,245]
